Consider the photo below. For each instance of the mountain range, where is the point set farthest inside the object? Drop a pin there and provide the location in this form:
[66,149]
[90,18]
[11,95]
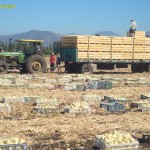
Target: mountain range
[48,36]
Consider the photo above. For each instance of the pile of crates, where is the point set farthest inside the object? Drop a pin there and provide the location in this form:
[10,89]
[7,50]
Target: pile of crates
[113,104]
[143,103]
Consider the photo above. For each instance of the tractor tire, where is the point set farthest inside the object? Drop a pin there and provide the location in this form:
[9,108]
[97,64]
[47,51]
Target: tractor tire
[86,69]
[35,64]
[3,67]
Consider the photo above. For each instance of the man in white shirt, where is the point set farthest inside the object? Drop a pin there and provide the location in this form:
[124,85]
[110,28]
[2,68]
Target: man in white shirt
[133,27]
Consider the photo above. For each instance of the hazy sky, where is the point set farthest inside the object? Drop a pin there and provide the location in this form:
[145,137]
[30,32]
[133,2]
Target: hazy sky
[74,16]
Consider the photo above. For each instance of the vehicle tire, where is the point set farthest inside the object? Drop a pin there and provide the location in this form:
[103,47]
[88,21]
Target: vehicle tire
[35,64]
[138,68]
[86,69]
[70,68]
[3,67]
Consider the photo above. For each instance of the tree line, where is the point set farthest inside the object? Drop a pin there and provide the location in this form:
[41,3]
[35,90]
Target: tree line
[18,46]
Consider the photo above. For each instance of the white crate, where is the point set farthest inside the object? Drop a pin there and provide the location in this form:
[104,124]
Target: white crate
[99,144]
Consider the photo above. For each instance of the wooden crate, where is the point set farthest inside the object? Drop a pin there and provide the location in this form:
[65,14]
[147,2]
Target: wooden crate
[139,33]
[99,47]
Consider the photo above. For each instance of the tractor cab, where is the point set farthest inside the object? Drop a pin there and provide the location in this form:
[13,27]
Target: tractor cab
[29,47]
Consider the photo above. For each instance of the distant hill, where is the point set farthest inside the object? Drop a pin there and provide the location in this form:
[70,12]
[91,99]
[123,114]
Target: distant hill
[47,36]
[106,33]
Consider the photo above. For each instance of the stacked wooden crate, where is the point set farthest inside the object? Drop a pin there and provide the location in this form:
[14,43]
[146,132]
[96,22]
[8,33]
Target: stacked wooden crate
[147,48]
[139,33]
[110,48]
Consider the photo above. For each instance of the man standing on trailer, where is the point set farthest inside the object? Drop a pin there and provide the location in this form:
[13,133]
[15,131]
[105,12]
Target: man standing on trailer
[133,27]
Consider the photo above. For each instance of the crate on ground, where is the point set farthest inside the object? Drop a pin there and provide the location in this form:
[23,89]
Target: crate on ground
[145,107]
[91,99]
[99,144]
[47,106]
[70,87]
[12,99]
[120,100]
[47,101]
[12,143]
[39,85]
[108,78]
[77,110]
[131,83]
[81,87]
[13,147]
[116,141]
[146,138]
[47,110]
[31,98]
[140,104]
[97,85]
[112,107]
[5,109]
[145,96]
[80,107]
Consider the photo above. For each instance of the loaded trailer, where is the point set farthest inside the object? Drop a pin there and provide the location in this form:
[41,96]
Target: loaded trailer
[107,52]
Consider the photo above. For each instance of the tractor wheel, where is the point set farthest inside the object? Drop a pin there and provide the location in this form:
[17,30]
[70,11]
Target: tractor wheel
[87,69]
[35,64]
[3,67]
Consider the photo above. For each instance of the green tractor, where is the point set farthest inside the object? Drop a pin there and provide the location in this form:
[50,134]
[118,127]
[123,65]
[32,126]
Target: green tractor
[27,61]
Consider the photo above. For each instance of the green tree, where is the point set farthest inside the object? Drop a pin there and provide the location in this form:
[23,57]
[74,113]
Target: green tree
[57,46]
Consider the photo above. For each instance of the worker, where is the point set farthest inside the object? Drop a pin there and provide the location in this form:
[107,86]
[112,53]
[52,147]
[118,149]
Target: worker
[133,27]
[58,62]
[66,66]
[38,49]
[52,62]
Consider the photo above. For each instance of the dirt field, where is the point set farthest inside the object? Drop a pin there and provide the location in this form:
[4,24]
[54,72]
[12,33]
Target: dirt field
[64,131]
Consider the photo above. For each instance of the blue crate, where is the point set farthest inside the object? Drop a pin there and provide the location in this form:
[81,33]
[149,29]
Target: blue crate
[97,85]
[108,106]
[112,107]
[119,107]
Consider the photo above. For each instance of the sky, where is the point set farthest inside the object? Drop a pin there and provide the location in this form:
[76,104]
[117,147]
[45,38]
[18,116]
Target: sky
[73,16]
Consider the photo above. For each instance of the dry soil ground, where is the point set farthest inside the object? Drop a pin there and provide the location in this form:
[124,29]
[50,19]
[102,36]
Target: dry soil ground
[69,131]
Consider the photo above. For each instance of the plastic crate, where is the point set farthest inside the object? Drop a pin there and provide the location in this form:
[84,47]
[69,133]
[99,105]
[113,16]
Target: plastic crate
[13,147]
[97,85]
[146,138]
[47,110]
[145,96]
[112,107]
[119,107]
[126,102]
[108,106]
[12,99]
[77,111]
[81,88]
[136,105]
[30,99]
[5,109]
[100,145]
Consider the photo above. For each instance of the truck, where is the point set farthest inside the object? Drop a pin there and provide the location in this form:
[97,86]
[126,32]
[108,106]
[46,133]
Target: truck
[80,52]
[26,60]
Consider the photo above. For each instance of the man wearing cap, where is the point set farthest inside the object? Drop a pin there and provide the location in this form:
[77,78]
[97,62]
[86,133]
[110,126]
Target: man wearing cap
[133,27]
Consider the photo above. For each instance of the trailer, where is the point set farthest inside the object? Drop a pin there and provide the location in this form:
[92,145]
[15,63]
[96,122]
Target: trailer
[107,52]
